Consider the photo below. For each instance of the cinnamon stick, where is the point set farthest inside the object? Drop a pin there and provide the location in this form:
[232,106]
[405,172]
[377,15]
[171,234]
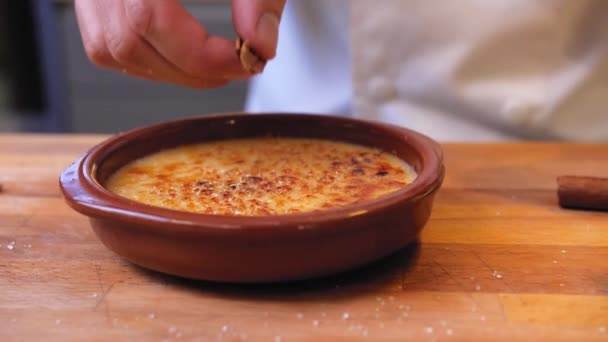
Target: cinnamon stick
[250,60]
[583,192]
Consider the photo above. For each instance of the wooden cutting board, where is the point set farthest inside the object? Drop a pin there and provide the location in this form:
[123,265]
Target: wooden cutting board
[499,260]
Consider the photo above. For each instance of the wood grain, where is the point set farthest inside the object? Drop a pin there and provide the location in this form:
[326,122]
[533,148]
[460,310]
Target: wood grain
[499,260]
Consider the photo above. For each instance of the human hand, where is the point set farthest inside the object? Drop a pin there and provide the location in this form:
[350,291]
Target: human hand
[159,40]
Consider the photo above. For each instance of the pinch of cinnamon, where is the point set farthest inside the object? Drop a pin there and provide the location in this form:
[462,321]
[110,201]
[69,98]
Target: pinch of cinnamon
[583,192]
[250,60]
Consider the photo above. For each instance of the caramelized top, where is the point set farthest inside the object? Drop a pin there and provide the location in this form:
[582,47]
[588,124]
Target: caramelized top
[261,176]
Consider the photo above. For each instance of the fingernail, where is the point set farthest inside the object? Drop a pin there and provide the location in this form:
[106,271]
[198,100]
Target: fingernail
[267,32]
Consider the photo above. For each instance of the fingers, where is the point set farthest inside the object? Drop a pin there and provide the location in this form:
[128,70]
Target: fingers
[134,37]
[182,40]
[195,83]
[257,21]
[126,48]
[92,32]
[137,55]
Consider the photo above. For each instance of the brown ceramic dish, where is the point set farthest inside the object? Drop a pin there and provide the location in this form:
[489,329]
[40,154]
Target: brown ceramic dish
[260,248]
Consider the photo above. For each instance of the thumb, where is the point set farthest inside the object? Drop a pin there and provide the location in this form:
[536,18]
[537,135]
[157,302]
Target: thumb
[257,21]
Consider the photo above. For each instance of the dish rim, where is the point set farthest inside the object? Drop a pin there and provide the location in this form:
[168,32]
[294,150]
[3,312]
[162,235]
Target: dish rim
[86,195]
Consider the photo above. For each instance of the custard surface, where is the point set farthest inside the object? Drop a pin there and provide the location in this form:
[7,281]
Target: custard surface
[261,176]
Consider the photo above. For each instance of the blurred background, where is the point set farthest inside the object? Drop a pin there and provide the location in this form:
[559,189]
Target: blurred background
[47,84]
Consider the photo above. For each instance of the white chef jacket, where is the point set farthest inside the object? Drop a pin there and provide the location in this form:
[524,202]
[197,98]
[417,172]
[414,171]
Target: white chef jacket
[456,70]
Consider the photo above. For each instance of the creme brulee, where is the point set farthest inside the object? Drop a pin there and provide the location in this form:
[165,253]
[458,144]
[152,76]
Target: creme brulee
[261,176]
